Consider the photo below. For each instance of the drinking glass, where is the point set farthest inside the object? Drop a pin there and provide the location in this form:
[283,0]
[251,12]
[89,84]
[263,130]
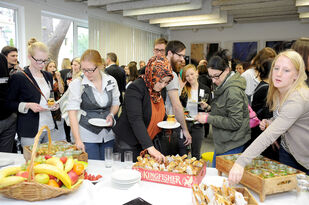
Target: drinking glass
[51,99]
[205,97]
[108,151]
[116,161]
[128,159]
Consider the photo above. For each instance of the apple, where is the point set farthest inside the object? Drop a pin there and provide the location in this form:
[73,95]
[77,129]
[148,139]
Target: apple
[59,183]
[41,178]
[52,177]
[73,176]
[47,157]
[24,174]
[63,160]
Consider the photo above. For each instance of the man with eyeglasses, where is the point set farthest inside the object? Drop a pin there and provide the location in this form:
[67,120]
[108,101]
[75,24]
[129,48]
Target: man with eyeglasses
[175,53]
[7,117]
[158,50]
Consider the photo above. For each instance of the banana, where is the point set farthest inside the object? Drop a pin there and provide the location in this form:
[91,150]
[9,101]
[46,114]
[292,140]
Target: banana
[55,171]
[9,171]
[69,165]
[56,162]
[10,180]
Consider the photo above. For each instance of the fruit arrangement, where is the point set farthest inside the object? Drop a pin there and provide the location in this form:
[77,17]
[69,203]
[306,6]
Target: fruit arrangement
[176,164]
[64,172]
[91,177]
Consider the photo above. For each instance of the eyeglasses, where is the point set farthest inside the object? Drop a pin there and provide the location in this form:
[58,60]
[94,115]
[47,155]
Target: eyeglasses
[89,70]
[41,61]
[180,55]
[216,77]
[159,50]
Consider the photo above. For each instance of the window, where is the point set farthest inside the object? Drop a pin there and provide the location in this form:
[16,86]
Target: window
[82,40]
[71,39]
[8,29]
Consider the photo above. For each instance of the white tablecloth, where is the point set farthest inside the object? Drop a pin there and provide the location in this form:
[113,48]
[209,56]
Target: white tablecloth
[154,193]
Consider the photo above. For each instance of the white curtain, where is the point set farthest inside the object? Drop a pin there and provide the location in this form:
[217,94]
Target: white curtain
[130,44]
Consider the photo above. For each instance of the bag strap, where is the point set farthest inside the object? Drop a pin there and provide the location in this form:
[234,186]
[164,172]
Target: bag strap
[34,85]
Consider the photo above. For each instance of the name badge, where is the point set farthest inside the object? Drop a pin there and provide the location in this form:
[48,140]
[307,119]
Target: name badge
[110,87]
[4,80]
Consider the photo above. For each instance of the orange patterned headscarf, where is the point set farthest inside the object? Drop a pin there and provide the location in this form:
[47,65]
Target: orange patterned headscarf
[157,68]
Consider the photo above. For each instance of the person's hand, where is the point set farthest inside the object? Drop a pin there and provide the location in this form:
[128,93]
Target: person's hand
[264,124]
[80,145]
[275,146]
[235,174]
[58,75]
[203,105]
[68,82]
[156,154]
[188,137]
[201,117]
[35,107]
[110,120]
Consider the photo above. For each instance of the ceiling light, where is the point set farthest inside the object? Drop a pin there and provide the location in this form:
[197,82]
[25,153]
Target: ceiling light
[223,19]
[304,15]
[302,2]
[214,15]
[195,4]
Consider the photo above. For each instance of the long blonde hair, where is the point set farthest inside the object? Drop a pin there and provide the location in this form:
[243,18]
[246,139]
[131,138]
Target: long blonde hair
[186,91]
[273,95]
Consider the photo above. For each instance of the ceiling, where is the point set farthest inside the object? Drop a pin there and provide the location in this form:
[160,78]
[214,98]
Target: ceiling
[190,14]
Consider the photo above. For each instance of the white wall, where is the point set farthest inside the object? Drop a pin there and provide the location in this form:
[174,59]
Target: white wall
[261,32]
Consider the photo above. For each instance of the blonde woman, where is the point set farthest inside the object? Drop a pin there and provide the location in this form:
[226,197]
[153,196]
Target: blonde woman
[28,94]
[288,98]
[74,72]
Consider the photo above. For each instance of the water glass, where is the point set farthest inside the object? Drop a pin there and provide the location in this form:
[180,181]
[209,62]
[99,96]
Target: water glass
[128,159]
[108,152]
[116,161]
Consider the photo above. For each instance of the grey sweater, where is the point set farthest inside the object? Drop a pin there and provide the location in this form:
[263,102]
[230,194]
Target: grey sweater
[293,122]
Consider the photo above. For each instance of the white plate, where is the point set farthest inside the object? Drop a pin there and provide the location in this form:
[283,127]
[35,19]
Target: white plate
[99,122]
[126,176]
[168,125]
[5,162]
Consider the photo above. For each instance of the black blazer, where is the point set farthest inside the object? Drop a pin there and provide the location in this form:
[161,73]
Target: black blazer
[135,117]
[119,74]
[22,90]
[184,99]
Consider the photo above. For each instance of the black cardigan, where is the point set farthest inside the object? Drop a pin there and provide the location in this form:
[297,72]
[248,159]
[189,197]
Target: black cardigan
[135,117]
[184,99]
[22,90]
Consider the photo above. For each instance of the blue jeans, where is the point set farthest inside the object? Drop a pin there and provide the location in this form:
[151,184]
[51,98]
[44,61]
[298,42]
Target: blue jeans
[232,151]
[288,159]
[96,150]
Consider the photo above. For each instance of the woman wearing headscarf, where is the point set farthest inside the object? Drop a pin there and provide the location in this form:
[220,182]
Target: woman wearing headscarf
[137,129]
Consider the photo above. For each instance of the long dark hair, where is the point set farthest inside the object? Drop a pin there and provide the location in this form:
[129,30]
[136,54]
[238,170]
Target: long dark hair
[133,72]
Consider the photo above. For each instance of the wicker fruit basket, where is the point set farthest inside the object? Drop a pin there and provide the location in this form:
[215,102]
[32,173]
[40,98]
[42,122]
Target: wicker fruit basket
[33,191]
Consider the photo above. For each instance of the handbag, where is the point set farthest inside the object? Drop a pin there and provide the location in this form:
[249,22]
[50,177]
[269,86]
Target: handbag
[254,120]
[63,102]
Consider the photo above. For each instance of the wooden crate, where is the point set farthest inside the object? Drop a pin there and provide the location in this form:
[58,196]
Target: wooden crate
[263,186]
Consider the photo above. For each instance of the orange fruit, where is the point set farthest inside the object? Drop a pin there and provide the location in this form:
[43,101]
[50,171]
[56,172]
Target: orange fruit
[78,168]
[53,183]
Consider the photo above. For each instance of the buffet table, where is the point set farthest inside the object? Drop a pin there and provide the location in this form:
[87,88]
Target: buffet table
[154,193]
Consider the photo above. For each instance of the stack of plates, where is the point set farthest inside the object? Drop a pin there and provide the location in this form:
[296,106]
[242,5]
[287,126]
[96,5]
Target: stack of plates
[125,178]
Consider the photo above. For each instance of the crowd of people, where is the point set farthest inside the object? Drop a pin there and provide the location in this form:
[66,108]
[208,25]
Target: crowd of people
[133,101]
